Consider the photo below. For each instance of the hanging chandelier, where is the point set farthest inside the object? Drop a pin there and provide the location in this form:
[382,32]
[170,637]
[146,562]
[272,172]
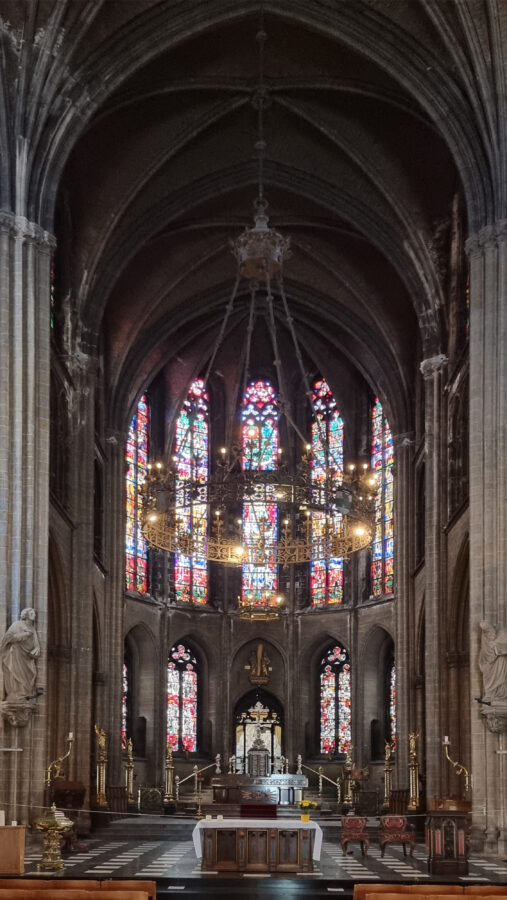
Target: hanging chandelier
[343,501]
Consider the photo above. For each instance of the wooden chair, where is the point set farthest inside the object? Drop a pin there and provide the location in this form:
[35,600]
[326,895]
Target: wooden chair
[353,830]
[395,830]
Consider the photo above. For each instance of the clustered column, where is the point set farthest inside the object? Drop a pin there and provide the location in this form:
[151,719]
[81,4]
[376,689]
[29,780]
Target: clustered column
[488,533]
[433,370]
[25,255]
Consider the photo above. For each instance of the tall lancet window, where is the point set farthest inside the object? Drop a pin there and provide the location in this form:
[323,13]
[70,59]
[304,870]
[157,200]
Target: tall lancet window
[335,701]
[392,704]
[182,684]
[136,455]
[259,441]
[382,563]
[192,457]
[327,450]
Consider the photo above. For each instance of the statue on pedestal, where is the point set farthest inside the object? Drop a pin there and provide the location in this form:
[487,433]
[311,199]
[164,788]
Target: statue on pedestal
[493,663]
[19,648]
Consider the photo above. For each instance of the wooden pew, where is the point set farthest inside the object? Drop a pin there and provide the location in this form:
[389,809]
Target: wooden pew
[133,885]
[64,894]
[361,890]
[486,889]
[24,884]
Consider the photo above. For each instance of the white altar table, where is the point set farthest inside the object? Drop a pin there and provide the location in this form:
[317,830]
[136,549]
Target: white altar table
[257,844]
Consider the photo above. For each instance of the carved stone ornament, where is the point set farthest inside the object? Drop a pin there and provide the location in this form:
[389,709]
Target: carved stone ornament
[495,717]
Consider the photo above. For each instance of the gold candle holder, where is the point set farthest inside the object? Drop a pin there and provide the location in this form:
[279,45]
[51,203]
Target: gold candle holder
[413,771]
[388,776]
[101,799]
[53,823]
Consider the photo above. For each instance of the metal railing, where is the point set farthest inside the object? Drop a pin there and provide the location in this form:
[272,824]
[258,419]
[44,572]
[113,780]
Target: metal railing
[320,774]
[195,775]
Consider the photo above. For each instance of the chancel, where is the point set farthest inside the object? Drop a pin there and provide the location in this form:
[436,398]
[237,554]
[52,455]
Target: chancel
[253,445]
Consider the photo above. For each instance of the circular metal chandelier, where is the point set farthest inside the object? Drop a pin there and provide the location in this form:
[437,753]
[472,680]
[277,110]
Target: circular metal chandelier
[342,501]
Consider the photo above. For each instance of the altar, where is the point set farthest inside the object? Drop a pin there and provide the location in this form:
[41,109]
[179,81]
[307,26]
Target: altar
[253,845]
[284,790]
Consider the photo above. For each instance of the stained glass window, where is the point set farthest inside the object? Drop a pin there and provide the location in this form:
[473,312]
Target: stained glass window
[259,430]
[182,699]
[192,455]
[392,704]
[335,701]
[327,462]
[124,695]
[136,548]
[382,563]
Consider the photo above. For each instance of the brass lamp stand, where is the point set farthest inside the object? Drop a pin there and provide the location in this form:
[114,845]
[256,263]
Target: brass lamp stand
[388,776]
[101,799]
[52,824]
[413,771]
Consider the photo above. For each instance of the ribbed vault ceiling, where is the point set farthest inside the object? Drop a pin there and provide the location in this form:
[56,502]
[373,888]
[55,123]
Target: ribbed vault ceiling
[160,173]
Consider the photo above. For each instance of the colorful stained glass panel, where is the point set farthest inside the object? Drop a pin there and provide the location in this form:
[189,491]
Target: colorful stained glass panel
[259,429]
[382,460]
[136,458]
[335,702]
[326,575]
[192,462]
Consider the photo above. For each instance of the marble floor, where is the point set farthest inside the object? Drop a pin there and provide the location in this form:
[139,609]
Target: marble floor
[176,859]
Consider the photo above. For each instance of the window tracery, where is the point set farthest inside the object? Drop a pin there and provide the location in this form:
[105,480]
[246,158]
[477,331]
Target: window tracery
[382,460]
[182,706]
[259,441]
[326,576]
[136,457]
[335,701]
[192,460]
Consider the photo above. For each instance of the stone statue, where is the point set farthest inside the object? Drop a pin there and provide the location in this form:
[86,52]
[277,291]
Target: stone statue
[19,649]
[259,666]
[493,663]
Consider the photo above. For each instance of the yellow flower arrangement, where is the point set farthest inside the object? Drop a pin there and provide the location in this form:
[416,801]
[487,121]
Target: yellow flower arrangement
[307,804]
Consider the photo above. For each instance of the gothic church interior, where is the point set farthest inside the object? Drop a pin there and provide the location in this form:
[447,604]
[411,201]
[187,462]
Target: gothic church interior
[128,135]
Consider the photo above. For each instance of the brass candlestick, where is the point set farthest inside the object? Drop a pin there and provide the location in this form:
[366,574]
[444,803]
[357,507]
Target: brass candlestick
[55,768]
[348,799]
[129,772]
[459,768]
[101,798]
[388,769]
[169,775]
[413,771]
[199,801]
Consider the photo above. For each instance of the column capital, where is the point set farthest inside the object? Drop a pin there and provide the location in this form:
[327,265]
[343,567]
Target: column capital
[486,238]
[432,365]
[20,227]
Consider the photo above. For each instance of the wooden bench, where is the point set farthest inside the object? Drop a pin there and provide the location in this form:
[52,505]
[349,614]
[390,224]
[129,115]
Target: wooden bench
[70,894]
[361,890]
[129,889]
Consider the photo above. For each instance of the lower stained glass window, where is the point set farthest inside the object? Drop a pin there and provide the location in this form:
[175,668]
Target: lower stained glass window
[335,701]
[182,681]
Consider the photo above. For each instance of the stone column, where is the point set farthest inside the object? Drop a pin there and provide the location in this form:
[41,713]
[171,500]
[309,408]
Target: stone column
[488,533]
[81,690]
[114,550]
[25,253]
[433,370]
[404,608]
